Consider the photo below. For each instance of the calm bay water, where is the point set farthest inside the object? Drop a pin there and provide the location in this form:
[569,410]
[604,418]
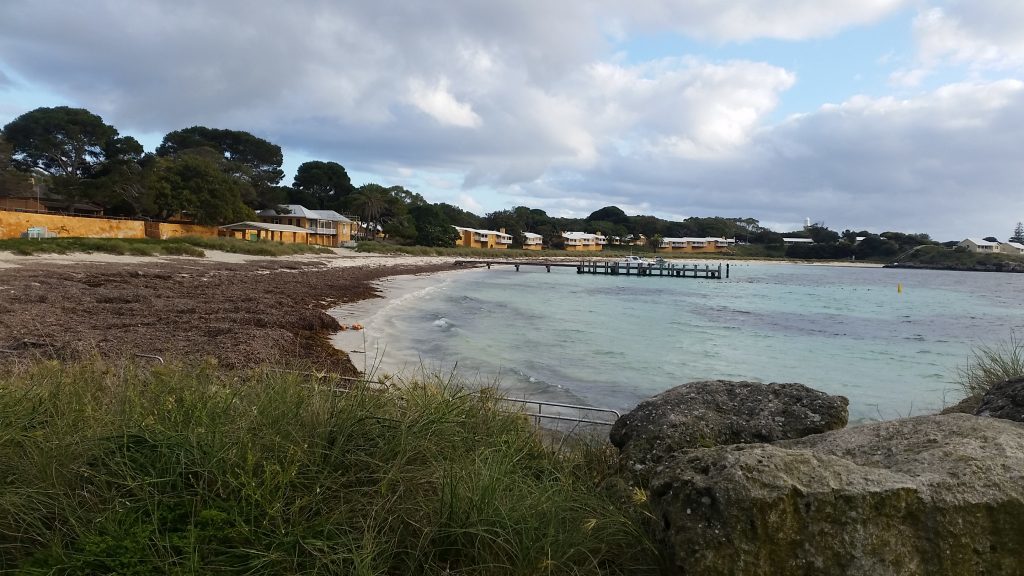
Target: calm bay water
[614,341]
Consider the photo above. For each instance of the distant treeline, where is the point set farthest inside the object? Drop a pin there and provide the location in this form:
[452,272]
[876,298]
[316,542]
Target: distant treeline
[219,176]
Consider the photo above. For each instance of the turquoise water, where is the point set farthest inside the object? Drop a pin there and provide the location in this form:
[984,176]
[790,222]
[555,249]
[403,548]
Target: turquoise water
[614,341]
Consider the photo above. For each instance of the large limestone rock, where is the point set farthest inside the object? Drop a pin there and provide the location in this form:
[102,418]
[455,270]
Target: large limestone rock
[1004,400]
[935,495]
[716,412]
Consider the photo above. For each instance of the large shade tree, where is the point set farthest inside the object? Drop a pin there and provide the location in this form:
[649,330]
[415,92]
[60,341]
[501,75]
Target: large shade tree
[195,186]
[12,182]
[245,156]
[326,183]
[432,227]
[66,142]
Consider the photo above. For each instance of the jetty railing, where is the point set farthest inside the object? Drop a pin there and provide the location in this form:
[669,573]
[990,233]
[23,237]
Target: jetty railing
[613,268]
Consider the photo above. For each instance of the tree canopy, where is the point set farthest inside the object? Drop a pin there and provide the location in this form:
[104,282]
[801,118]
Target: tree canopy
[196,186]
[250,157]
[326,183]
[64,141]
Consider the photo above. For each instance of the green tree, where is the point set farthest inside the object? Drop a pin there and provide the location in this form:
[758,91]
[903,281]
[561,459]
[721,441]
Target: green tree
[12,182]
[506,219]
[459,217]
[196,186]
[244,156]
[432,227]
[63,141]
[612,214]
[371,202]
[1018,233]
[822,235]
[326,183]
[407,197]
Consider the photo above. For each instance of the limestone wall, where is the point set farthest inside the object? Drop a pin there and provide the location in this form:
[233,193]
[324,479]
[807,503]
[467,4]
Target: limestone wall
[14,224]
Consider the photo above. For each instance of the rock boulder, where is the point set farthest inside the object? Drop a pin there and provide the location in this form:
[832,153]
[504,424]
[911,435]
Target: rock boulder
[936,495]
[718,412]
[1004,400]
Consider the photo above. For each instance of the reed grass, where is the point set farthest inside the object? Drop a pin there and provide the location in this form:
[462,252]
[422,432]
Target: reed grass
[990,364]
[185,470]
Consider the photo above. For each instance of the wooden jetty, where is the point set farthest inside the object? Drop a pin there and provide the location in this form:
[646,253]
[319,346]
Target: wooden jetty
[611,268]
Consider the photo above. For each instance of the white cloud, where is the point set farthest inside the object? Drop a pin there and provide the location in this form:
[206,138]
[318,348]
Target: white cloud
[467,202]
[944,162]
[439,103]
[979,34]
[743,20]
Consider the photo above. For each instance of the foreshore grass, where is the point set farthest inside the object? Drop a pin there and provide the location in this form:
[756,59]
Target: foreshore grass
[990,364]
[118,469]
[181,246]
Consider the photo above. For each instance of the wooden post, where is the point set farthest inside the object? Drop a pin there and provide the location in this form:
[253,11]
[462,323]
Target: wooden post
[726,269]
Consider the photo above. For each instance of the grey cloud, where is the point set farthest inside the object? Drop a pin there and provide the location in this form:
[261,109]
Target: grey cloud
[680,136]
[947,165]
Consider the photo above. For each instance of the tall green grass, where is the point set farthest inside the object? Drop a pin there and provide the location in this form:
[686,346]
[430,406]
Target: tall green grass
[183,246]
[121,470]
[990,364]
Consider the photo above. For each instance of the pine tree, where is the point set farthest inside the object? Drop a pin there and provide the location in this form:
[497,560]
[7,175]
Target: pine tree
[1018,233]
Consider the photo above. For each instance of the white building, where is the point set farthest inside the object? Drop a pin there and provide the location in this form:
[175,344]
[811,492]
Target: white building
[792,241]
[583,241]
[980,246]
[1015,248]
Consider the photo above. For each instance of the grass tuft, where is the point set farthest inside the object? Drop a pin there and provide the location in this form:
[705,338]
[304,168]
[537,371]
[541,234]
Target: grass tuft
[174,470]
[990,364]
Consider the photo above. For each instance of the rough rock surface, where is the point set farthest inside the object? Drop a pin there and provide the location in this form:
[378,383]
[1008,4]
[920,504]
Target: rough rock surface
[1005,400]
[716,412]
[968,405]
[936,495]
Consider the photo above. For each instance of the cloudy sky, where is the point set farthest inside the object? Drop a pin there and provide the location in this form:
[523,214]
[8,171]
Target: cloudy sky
[877,114]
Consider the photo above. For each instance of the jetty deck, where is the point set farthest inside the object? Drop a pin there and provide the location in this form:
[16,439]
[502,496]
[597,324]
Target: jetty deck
[611,268]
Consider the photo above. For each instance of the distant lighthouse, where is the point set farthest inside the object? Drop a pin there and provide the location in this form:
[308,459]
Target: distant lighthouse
[807,222]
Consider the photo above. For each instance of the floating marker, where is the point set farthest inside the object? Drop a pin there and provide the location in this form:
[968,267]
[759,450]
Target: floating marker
[899,288]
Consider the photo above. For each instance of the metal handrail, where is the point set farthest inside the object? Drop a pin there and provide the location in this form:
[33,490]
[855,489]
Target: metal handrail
[540,403]
[563,405]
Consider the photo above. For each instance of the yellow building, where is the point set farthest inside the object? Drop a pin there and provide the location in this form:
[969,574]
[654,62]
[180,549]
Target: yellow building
[584,242]
[532,241]
[323,227]
[702,245]
[267,231]
[473,238]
